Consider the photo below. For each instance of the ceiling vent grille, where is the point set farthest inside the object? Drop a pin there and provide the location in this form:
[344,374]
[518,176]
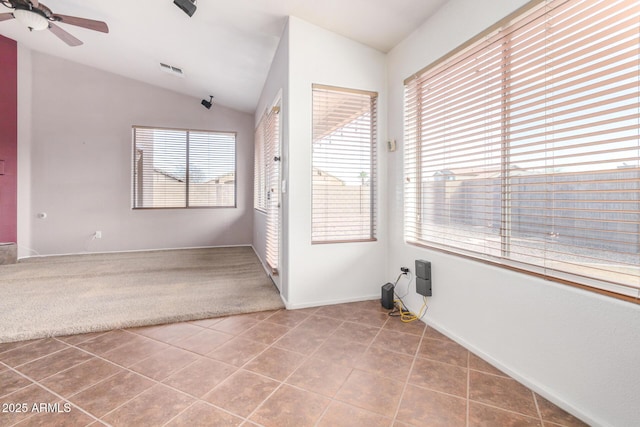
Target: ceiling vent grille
[171,70]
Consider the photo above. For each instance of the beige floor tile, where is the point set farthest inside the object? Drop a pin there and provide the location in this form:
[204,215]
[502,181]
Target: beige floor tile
[154,407]
[111,393]
[371,392]
[421,407]
[290,406]
[242,392]
[200,377]
[501,392]
[320,377]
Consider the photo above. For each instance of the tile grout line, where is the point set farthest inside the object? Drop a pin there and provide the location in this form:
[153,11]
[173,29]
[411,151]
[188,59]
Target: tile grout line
[535,401]
[59,396]
[158,382]
[333,398]
[468,402]
[305,359]
[413,362]
[197,399]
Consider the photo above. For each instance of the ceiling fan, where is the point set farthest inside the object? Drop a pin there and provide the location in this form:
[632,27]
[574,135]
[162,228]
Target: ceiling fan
[37,16]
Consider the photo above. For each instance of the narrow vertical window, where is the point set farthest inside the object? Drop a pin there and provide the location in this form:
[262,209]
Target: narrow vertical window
[259,189]
[344,165]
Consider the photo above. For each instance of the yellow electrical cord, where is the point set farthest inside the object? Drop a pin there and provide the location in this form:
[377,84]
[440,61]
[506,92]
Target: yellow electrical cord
[407,316]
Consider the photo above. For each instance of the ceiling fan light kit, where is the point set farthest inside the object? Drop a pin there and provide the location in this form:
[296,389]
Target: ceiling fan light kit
[36,16]
[32,19]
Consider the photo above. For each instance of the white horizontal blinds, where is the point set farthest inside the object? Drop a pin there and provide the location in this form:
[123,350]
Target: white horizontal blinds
[159,168]
[344,165]
[452,148]
[272,168]
[525,147]
[212,169]
[164,179]
[259,168]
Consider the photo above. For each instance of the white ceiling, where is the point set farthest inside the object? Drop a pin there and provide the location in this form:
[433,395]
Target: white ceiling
[225,49]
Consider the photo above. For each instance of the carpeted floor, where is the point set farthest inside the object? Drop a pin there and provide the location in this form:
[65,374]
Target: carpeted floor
[85,293]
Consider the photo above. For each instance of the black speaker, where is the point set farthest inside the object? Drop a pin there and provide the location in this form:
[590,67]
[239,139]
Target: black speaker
[423,269]
[387,296]
[423,286]
[187,6]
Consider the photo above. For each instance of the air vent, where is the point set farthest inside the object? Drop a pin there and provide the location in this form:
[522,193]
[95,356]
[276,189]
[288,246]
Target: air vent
[172,70]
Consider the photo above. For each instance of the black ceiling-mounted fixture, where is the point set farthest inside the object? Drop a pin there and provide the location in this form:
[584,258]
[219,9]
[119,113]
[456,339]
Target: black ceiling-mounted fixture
[209,103]
[187,6]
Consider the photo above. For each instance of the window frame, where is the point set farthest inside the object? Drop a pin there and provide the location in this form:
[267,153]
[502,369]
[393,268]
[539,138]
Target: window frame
[627,292]
[373,162]
[134,194]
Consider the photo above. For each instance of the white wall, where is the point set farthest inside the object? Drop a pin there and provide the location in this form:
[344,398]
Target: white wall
[575,347]
[331,273]
[276,87]
[81,163]
[24,152]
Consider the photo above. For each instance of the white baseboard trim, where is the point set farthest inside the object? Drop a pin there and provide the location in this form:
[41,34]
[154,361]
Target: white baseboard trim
[526,381]
[137,250]
[329,302]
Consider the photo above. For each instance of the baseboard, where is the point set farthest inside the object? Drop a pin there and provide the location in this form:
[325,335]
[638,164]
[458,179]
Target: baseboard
[330,302]
[526,381]
[264,264]
[137,250]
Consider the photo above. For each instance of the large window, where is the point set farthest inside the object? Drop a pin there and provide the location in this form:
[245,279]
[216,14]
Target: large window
[344,165]
[175,168]
[522,147]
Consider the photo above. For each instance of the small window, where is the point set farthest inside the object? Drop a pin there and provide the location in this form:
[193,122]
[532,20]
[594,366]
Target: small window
[176,168]
[344,165]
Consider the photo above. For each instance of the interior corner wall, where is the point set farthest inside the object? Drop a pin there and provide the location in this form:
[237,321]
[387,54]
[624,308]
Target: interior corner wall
[81,158]
[577,348]
[276,84]
[25,92]
[329,273]
[8,140]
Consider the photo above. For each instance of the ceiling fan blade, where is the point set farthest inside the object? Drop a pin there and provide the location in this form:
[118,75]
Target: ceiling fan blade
[83,22]
[6,16]
[63,35]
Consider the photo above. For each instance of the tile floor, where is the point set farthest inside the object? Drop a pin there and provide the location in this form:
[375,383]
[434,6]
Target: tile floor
[343,365]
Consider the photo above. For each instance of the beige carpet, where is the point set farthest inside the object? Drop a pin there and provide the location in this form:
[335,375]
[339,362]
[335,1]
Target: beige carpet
[64,295]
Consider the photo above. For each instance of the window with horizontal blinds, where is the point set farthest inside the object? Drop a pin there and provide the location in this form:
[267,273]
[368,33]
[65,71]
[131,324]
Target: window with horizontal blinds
[344,165]
[272,172]
[175,168]
[259,186]
[523,147]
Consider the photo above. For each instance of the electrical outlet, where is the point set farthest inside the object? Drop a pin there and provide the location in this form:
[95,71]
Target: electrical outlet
[98,235]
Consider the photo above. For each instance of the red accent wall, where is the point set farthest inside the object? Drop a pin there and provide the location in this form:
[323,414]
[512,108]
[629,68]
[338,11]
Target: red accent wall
[8,140]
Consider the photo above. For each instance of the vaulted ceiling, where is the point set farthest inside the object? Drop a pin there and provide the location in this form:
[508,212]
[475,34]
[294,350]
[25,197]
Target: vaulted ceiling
[225,49]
